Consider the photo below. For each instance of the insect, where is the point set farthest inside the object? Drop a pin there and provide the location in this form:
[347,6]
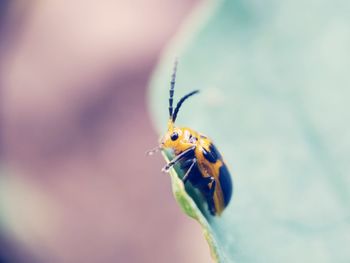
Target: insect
[198,157]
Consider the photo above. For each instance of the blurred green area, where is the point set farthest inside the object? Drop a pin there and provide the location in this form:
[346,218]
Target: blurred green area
[275,86]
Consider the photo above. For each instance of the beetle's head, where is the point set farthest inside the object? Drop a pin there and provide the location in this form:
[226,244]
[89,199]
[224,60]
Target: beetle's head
[176,139]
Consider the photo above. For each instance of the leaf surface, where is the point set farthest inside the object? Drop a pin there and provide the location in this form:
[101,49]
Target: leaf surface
[275,88]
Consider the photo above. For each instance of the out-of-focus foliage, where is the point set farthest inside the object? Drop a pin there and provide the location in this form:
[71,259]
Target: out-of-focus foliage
[275,85]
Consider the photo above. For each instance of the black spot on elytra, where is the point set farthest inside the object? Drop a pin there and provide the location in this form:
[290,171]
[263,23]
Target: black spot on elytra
[225,183]
[212,155]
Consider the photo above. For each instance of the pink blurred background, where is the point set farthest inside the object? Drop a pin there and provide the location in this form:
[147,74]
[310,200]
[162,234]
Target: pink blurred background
[76,185]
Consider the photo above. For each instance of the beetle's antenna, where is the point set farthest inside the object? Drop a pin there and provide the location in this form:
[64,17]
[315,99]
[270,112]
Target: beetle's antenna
[171,91]
[154,150]
[178,106]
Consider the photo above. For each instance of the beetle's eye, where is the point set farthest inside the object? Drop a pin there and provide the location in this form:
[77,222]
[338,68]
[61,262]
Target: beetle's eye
[174,136]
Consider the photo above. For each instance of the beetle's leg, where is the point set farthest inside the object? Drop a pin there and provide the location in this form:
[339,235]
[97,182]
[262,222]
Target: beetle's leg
[185,178]
[185,164]
[177,158]
[213,186]
[211,196]
[206,181]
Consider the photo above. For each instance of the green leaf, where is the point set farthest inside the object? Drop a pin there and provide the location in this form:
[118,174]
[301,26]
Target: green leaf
[275,88]
[193,205]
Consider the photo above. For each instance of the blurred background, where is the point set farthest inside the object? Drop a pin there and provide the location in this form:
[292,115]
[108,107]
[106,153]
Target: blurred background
[75,184]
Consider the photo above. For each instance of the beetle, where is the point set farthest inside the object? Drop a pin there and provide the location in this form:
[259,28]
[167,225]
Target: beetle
[198,157]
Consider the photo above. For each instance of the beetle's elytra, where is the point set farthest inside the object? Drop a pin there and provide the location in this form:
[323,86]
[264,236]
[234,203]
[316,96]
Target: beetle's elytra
[200,160]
